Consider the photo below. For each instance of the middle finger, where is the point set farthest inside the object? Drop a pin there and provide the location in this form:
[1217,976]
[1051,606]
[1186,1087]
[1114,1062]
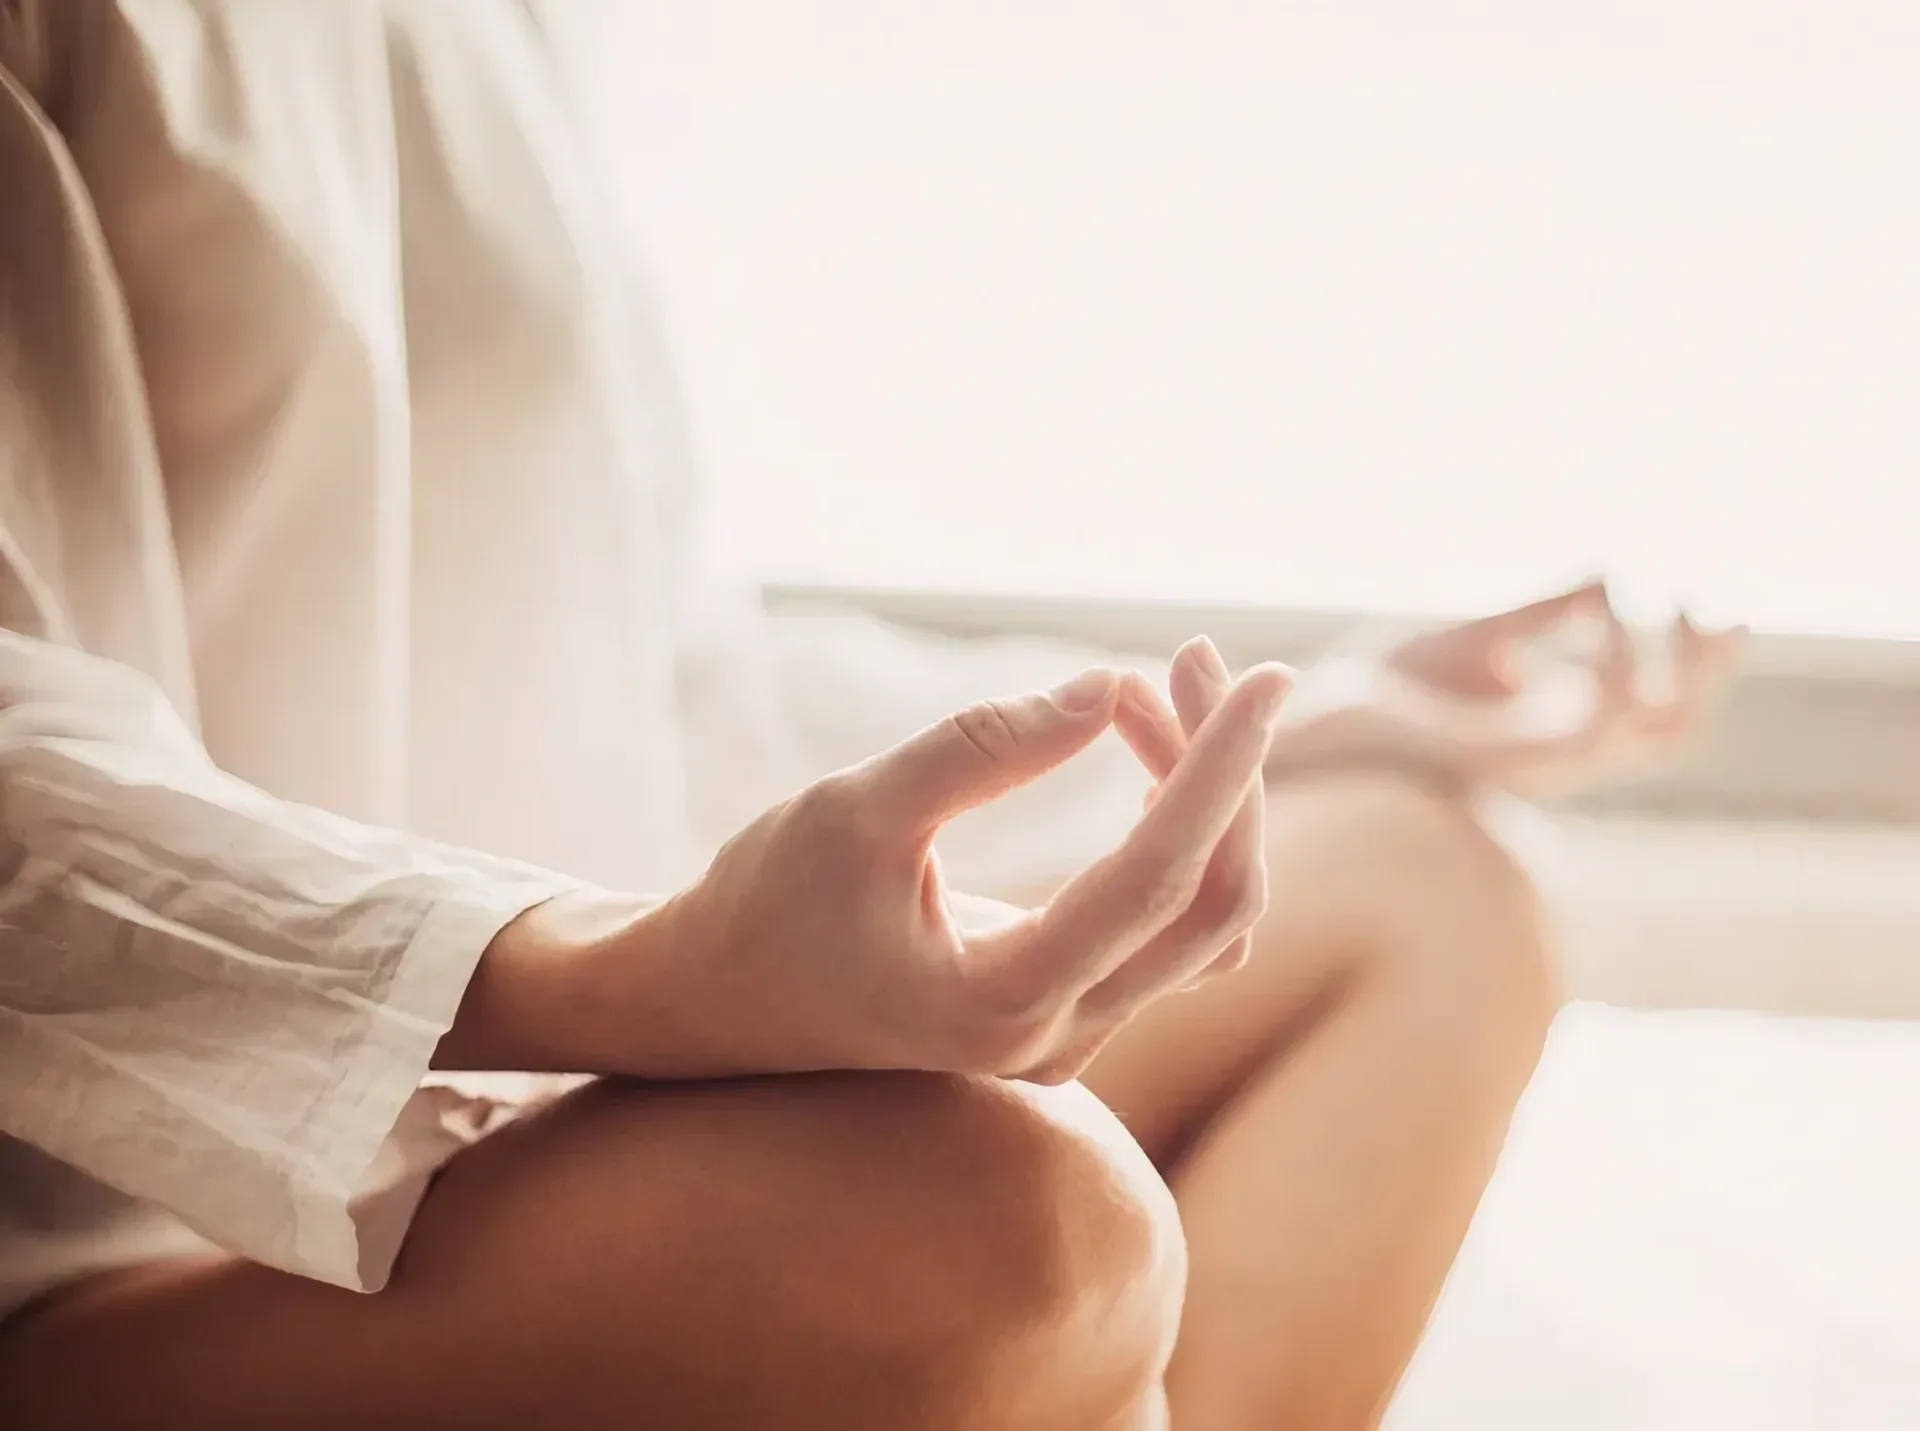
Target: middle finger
[1240,860]
[1115,906]
[1214,933]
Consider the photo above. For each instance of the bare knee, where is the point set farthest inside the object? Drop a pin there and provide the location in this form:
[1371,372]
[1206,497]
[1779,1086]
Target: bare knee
[900,1250]
[1405,884]
[1069,1299]
[1006,1251]
[846,1253]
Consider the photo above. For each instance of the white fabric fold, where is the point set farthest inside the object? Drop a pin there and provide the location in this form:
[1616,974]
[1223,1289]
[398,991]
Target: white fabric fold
[212,1001]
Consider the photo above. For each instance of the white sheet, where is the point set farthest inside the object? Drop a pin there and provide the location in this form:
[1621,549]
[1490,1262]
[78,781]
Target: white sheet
[1703,1221]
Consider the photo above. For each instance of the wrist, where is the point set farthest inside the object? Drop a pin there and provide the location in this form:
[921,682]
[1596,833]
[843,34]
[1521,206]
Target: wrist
[538,1001]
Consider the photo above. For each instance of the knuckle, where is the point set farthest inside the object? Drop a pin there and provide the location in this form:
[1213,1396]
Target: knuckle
[1165,896]
[988,728]
[835,817]
[830,806]
[1164,887]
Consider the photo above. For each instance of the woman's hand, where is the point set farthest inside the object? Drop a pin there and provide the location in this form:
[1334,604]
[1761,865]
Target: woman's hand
[823,935]
[1461,707]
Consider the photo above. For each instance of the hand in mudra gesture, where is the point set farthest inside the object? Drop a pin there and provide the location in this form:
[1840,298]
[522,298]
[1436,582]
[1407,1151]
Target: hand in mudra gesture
[824,934]
[1467,708]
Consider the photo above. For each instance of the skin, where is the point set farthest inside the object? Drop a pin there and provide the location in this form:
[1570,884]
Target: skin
[1329,1117]
[867,1251]
[823,935]
[945,1248]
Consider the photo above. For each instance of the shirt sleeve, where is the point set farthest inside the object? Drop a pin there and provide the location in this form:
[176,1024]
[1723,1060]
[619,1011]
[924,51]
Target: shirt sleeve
[212,1000]
[216,1002]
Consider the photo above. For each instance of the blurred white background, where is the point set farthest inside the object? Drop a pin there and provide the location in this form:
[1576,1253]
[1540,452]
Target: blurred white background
[1414,305]
[1403,304]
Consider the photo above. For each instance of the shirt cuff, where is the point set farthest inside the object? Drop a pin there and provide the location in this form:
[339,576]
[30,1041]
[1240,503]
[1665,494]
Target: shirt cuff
[386,1137]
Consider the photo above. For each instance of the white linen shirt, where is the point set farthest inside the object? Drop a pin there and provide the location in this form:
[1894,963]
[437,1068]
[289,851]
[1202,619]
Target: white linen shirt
[314,463]
[215,1002]
[342,469]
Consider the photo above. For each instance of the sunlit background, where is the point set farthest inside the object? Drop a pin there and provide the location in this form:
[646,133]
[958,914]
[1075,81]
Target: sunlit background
[1402,304]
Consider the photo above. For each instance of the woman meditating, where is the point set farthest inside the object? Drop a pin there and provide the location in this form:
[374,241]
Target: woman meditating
[369,728]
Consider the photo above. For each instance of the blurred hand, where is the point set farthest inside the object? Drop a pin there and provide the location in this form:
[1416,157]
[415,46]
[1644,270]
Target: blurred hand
[1460,706]
[824,936]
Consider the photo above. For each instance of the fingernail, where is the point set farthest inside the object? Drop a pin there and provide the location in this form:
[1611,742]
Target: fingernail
[1209,657]
[1274,681]
[1086,692]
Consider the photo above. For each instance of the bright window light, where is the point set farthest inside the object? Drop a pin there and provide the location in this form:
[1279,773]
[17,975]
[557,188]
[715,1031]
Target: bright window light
[1411,305]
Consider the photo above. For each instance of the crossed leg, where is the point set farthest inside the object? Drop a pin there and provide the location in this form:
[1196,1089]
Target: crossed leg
[920,1253]
[856,1252]
[1329,1115]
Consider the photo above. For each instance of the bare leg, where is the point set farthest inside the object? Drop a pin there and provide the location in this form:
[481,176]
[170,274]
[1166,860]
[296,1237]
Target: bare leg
[1329,1116]
[850,1251]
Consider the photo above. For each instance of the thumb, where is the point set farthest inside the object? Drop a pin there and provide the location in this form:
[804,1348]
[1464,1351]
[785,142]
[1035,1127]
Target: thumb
[979,754]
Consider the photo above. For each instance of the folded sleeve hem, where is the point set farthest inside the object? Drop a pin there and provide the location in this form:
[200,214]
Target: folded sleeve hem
[366,1177]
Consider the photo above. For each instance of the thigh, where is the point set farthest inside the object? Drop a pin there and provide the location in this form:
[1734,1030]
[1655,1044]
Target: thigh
[1330,1114]
[818,1251]
[1359,866]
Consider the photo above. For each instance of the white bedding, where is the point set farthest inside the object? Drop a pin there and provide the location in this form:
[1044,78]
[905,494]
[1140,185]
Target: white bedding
[1702,1221]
